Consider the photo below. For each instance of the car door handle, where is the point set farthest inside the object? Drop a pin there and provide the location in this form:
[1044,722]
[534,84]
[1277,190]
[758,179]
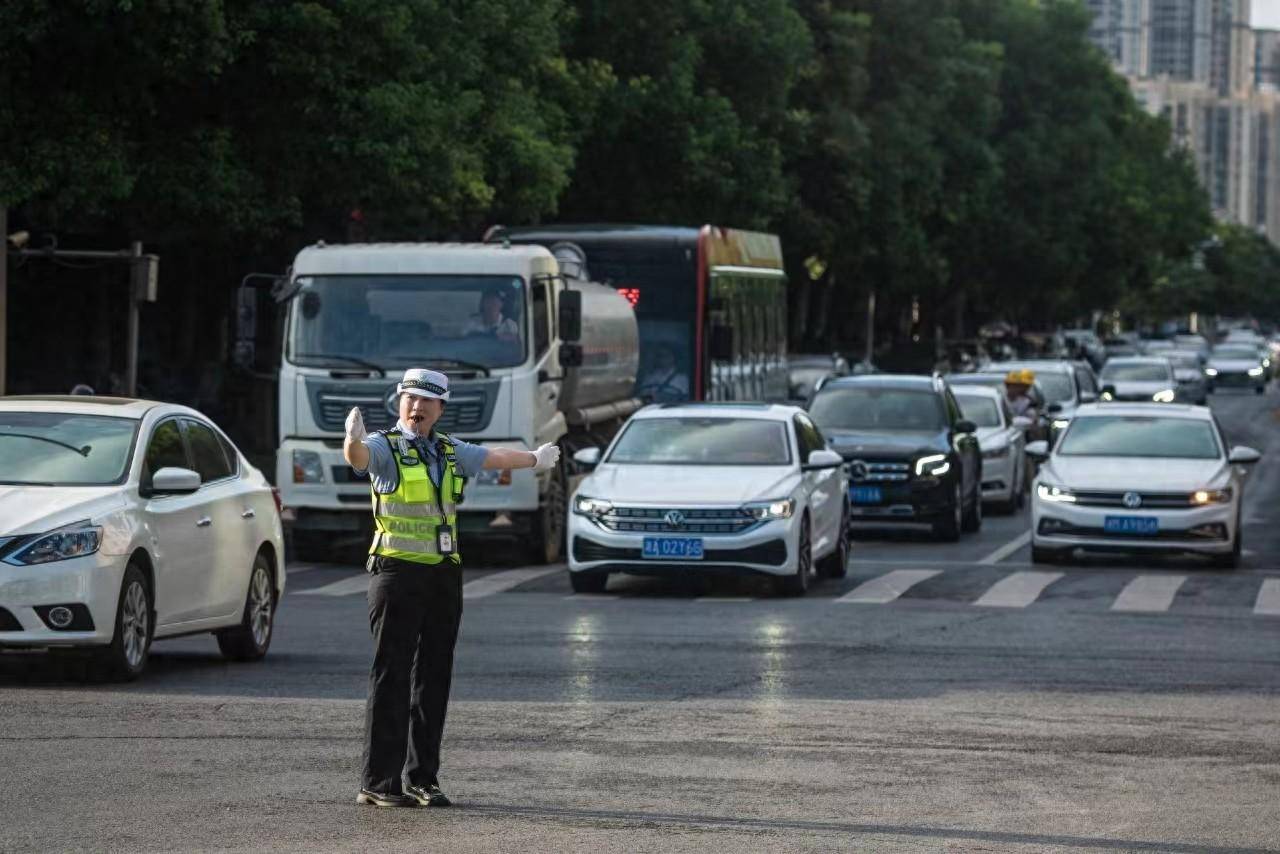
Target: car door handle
[248,514]
[204,522]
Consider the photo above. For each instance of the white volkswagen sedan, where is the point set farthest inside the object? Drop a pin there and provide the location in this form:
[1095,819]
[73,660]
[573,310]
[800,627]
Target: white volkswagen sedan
[124,521]
[1139,477]
[728,488]
[1002,436]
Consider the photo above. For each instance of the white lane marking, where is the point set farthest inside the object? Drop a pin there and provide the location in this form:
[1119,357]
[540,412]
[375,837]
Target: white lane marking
[724,599]
[1008,548]
[500,582]
[887,587]
[1268,602]
[345,587]
[1017,590]
[1149,593]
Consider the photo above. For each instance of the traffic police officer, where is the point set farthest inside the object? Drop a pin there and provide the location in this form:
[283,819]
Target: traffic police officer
[415,594]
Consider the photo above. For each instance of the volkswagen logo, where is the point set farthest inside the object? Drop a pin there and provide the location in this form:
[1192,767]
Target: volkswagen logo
[858,470]
[1132,500]
[674,519]
[393,402]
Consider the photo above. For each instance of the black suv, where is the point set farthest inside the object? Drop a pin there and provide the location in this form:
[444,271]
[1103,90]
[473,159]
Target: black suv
[911,456]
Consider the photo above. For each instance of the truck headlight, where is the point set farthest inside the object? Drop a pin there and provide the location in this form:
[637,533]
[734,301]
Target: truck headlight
[1051,492]
[934,465]
[762,510]
[1211,496]
[1166,396]
[584,506]
[307,467]
[75,540]
[1255,372]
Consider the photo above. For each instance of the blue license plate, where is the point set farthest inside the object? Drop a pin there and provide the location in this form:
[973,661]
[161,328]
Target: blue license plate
[1138,525]
[865,494]
[672,548]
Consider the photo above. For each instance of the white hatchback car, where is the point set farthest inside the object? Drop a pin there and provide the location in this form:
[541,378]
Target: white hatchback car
[728,488]
[1003,439]
[1145,477]
[123,521]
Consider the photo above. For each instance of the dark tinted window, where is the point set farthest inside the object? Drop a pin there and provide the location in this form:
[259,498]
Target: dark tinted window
[541,319]
[165,449]
[808,437]
[874,408]
[210,460]
[230,450]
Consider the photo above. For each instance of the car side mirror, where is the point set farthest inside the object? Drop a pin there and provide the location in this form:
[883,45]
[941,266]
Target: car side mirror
[1038,450]
[588,457]
[1022,422]
[1243,455]
[823,459]
[964,425]
[570,319]
[172,480]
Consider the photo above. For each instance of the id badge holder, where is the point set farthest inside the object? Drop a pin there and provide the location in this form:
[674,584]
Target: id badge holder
[445,541]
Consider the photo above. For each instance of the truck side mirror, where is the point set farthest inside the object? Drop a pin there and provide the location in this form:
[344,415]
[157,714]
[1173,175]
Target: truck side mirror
[570,318]
[570,355]
[722,343]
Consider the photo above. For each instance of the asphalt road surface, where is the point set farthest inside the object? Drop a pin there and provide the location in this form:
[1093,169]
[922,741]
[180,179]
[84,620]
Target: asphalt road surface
[940,698]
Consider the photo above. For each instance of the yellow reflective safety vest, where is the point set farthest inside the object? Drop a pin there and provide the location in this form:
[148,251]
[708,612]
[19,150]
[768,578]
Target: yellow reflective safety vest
[407,521]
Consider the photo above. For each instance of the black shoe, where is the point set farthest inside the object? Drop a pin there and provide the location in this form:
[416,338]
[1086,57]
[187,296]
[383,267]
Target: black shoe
[384,799]
[429,795]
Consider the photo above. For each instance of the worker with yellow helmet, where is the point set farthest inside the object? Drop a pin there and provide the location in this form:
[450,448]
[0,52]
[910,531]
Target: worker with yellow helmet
[1017,388]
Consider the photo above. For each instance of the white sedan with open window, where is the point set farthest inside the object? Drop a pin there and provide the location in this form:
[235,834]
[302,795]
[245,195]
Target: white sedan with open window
[711,488]
[124,521]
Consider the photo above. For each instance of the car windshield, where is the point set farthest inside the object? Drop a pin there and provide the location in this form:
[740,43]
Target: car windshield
[870,408]
[1184,360]
[1235,353]
[1136,373]
[1140,436]
[982,411]
[703,442]
[402,321]
[60,449]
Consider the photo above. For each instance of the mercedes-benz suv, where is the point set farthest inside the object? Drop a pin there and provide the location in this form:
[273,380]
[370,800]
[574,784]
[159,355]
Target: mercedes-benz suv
[911,454]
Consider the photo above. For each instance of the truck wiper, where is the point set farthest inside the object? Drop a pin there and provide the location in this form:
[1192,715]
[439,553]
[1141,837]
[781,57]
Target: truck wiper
[461,363]
[354,360]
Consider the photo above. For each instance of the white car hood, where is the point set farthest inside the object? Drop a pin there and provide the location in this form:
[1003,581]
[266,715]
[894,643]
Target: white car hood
[1234,365]
[36,509]
[1143,387]
[1145,475]
[690,486]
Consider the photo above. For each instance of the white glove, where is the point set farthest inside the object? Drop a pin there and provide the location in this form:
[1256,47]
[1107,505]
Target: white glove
[546,457]
[355,425]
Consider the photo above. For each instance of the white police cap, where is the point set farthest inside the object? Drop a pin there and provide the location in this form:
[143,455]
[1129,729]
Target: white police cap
[424,383]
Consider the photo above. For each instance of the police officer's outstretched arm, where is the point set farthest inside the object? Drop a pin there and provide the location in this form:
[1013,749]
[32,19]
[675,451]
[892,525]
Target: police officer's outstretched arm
[353,445]
[542,459]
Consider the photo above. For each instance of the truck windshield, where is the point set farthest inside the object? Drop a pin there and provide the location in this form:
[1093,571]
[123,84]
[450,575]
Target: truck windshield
[404,321]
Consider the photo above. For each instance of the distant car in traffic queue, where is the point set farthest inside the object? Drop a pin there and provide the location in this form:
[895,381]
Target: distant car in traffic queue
[126,521]
[1139,477]
[1067,384]
[1145,379]
[1188,372]
[806,373]
[1234,365]
[1037,428]
[711,488]
[911,454]
[1003,439]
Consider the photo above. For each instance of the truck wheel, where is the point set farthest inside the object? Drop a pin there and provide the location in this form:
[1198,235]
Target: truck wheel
[547,543]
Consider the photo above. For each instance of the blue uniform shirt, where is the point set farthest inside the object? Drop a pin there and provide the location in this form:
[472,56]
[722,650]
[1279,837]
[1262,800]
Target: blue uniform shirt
[468,459]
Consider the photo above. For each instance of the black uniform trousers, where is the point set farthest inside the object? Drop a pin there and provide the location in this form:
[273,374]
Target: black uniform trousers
[414,612]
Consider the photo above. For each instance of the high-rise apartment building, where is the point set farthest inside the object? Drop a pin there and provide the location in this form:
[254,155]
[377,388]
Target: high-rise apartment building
[1266,59]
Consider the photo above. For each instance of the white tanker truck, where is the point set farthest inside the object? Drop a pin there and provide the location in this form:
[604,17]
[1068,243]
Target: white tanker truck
[533,355]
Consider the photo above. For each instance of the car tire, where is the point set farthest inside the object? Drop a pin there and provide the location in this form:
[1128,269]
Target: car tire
[836,564]
[946,528]
[798,584]
[1040,554]
[250,640]
[126,657]
[588,582]
[1231,560]
[546,545]
[1261,389]
[971,522]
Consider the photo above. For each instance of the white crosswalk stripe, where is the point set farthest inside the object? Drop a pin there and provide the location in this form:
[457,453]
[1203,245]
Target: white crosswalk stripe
[1149,593]
[888,587]
[345,587]
[1268,602]
[1017,590]
[500,582]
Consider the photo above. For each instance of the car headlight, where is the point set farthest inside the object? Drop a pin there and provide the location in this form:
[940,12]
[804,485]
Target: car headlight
[1256,372]
[763,510]
[307,467]
[1051,492]
[1211,496]
[1166,396]
[934,465]
[1106,395]
[996,453]
[1061,423]
[1211,372]
[75,540]
[584,506]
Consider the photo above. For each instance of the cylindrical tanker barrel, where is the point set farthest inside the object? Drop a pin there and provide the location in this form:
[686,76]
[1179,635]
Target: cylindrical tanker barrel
[610,350]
